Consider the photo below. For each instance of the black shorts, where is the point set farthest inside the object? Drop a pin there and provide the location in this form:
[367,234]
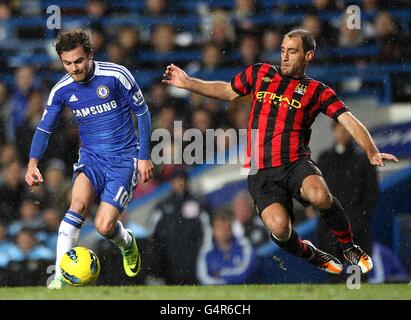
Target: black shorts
[281,184]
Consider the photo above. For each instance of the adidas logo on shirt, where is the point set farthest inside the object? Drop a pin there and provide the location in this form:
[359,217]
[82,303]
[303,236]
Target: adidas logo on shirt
[73,98]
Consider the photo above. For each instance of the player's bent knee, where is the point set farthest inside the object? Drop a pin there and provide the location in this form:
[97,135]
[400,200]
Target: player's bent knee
[78,206]
[320,198]
[282,233]
[278,222]
[105,227]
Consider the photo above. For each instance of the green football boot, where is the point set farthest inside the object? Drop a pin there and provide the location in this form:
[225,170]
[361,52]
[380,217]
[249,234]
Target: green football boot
[131,258]
[55,284]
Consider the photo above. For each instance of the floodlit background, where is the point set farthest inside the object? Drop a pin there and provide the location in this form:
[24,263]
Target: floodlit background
[368,67]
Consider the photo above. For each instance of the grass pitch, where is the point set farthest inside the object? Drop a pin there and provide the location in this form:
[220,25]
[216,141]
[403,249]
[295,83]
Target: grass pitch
[243,292]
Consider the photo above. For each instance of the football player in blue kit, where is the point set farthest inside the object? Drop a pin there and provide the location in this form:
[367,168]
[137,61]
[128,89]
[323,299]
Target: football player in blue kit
[102,97]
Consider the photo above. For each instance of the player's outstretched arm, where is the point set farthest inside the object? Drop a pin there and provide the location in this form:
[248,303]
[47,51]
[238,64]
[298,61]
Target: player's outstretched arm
[38,147]
[220,90]
[363,138]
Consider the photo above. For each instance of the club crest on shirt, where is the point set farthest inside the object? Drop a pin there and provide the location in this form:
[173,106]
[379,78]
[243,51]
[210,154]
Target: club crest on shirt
[103,91]
[301,89]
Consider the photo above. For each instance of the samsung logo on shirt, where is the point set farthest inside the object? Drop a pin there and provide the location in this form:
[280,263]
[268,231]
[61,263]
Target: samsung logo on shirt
[101,108]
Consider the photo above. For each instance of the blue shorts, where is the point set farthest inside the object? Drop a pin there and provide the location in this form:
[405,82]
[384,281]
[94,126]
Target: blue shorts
[114,179]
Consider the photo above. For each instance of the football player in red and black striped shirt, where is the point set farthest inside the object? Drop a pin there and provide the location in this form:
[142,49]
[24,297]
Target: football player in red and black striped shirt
[285,103]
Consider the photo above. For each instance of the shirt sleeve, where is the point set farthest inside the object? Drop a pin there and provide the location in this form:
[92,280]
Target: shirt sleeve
[242,83]
[54,107]
[330,104]
[132,93]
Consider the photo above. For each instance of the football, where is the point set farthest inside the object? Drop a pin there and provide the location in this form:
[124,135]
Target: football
[80,266]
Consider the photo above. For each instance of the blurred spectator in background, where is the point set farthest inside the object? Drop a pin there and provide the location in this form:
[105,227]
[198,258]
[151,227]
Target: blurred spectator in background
[369,9]
[25,131]
[99,40]
[352,180]
[129,41]
[58,188]
[312,23]
[29,217]
[4,112]
[226,258]
[5,246]
[211,59]
[324,35]
[385,26]
[48,233]
[177,226]
[27,248]
[5,10]
[162,44]
[24,84]
[271,46]
[12,191]
[165,118]
[217,112]
[238,113]
[322,5]
[244,9]
[116,54]
[154,8]
[249,50]
[370,6]
[243,12]
[157,97]
[171,153]
[246,221]
[6,13]
[201,120]
[388,38]
[96,10]
[8,154]
[163,38]
[222,31]
[28,260]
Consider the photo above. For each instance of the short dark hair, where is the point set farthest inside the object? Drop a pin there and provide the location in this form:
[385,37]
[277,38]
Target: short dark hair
[306,37]
[222,214]
[70,40]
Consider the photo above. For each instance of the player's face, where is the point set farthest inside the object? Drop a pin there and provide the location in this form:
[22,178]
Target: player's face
[77,63]
[293,59]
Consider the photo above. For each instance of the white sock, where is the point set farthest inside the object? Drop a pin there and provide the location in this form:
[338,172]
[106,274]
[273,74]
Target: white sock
[68,237]
[120,236]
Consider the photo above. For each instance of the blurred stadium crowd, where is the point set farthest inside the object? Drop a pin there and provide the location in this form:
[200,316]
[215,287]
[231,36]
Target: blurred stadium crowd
[210,39]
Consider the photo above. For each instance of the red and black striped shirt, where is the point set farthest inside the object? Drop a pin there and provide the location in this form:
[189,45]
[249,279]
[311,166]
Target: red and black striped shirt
[283,110]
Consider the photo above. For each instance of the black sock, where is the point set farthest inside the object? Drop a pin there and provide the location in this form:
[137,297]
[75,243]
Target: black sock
[337,221]
[294,245]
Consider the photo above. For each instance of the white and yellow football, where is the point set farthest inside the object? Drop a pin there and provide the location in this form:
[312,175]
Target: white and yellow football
[80,266]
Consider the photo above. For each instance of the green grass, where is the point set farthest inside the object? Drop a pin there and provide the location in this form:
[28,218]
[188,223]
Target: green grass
[250,292]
